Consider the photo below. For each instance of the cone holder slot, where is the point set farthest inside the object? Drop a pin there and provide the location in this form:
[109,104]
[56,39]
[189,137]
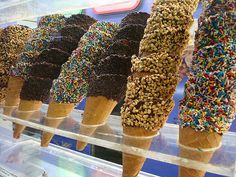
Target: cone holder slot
[92,126]
[9,106]
[19,111]
[55,118]
[200,149]
[164,148]
[9,109]
[140,137]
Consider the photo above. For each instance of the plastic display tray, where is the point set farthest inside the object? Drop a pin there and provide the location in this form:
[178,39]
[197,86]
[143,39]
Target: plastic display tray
[164,148]
[25,158]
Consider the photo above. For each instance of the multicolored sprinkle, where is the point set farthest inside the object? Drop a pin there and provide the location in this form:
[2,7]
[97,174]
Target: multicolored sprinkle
[71,86]
[209,103]
[38,42]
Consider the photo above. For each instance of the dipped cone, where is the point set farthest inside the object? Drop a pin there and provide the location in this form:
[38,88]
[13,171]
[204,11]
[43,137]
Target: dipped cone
[140,138]
[12,99]
[25,111]
[97,110]
[57,112]
[193,147]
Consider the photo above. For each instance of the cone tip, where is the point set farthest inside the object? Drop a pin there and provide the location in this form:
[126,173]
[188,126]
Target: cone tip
[46,139]
[80,146]
[132,165]
[16,135]
[18,130]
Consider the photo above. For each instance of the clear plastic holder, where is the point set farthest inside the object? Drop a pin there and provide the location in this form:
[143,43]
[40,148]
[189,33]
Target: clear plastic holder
[15,10]
[25,157]
[8,110]
[164,148]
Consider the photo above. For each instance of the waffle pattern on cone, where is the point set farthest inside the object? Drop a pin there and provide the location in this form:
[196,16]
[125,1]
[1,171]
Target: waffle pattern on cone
[150,89]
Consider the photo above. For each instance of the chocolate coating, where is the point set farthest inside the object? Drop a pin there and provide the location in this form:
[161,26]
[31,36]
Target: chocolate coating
[115,86]
[124,47]
[45,70]
[36,88]
[135,18]
[74,32]
[131,32]
[54,56]
[64,43]
[114,64]
[81,20]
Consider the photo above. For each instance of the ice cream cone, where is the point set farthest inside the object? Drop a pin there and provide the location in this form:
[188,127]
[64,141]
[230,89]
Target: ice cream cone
[140,138]
[199,146]
[25,111]
[96,112]
[57,112]
[8,110]
[13,95]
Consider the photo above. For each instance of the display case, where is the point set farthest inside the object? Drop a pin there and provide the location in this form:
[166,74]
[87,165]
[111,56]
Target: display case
[164,147]
[25,157]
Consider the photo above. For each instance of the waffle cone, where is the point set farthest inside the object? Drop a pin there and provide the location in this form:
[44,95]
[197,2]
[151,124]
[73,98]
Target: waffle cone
[200,140]
[57,112]
[25,111]
[12,99]
[97,110]
[140,138]
[8,110]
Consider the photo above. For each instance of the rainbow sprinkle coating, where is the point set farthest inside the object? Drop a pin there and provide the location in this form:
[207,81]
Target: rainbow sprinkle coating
[52,21]
[210,92]
[38,42]
[71,86]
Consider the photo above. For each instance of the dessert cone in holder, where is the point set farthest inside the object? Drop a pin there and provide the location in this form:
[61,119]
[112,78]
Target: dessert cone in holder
[96,112]
[13,95]
[140,138]
[198,146]
[57,112]
[25,111]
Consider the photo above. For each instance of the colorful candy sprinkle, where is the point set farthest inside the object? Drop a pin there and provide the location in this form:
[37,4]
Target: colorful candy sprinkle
[210,97]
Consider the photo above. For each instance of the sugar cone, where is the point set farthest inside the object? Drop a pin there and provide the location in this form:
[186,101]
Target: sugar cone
[25,111]
[57,112]
[140,138]
[199,140]
[12,99]
[97,110]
